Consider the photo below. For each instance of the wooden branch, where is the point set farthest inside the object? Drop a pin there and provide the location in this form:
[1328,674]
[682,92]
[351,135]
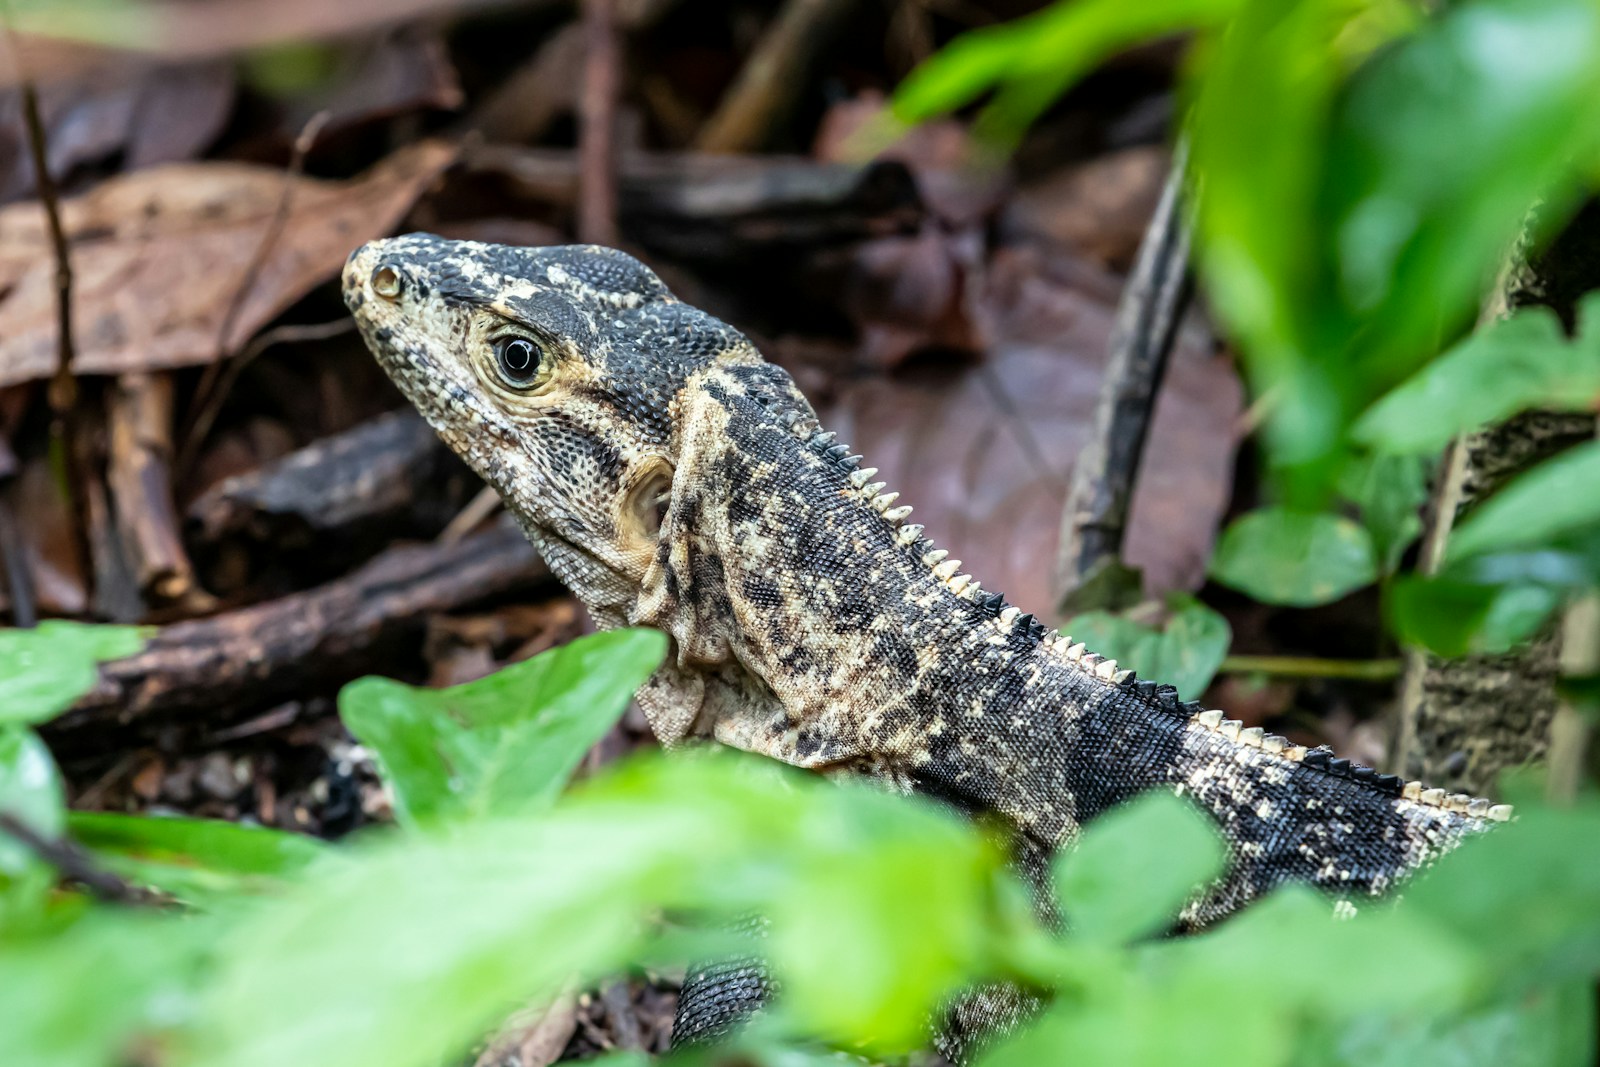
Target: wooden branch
[367,479]
[702,208]
[251,658]
[139,411]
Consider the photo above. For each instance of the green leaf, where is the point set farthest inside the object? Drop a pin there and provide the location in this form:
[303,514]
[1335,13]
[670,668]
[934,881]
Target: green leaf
[1556,498]
[1280,556]
[1035,59]
[1551,1027]
[1134,867]
[506,741]
[1247,956]
[43,670]
[1134,1024]
[407,952]
[1186,653]
[1522,363]
[195,858]
[1263,103]
[92,996]
[30,792]
[1524,896]
[1452,617]
[1390,491]
[861,961]
[1440,147]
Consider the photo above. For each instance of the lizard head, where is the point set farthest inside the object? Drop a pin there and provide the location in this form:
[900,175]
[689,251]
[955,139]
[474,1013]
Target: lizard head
[554,372]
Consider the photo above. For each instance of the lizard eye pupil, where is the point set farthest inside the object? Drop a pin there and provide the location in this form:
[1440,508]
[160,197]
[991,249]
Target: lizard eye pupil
[519,359]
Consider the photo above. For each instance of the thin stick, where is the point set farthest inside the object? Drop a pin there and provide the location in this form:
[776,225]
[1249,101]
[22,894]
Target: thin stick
[1359,670]
[597,125]
[773,76]
[62,393]
[1095,518]
[206,394]
[296,333]
[71,862]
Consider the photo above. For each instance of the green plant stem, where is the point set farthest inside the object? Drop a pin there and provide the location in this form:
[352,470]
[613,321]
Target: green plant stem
[1361,670]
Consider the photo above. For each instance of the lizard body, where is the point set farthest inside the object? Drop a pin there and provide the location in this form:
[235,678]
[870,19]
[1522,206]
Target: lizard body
[673,478]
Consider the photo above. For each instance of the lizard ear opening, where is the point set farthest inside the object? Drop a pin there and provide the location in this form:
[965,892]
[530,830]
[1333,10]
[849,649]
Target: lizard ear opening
[645,507]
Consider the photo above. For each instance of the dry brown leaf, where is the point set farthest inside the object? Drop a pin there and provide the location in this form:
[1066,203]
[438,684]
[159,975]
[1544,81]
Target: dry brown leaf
[158,256]
[1098,208]
[141,112]
[985,453]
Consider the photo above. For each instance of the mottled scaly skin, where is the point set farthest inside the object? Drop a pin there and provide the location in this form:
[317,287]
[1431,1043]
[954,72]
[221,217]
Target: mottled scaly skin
[672,478]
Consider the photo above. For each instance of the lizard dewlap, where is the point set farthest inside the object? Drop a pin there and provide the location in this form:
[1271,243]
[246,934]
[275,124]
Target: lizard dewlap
[673,478]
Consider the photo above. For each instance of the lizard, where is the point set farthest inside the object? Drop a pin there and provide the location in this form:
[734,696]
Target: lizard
[673,478]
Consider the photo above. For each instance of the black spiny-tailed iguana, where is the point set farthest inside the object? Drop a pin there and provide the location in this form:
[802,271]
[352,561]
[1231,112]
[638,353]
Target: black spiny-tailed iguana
[672,478]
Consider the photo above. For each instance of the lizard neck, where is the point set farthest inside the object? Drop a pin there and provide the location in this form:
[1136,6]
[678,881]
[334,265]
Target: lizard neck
[824,630]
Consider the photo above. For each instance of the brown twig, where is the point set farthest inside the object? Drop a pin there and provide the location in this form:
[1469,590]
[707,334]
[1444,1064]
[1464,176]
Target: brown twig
[72,864]
[62,393]
[206,417]
[207,395]
[250,658]
[772,77]
[597,124]
[1089,572]
[13,549]
[139,413]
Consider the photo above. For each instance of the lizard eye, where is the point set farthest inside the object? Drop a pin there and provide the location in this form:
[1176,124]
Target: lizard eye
[519,360]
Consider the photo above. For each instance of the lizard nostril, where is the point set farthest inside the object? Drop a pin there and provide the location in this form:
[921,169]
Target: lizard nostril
[386,283]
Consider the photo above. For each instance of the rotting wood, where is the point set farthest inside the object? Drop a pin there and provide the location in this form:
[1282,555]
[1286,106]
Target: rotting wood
[701,208]
[388,471]
[139,413]
[244,660]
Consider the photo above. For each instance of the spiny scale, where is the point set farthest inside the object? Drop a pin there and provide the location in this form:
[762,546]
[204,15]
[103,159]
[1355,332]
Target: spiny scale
[1162,697]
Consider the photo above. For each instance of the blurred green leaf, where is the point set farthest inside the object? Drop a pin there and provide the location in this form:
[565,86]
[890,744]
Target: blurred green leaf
[1035,59]
[1522,363]
[1390,491]
[1452,617]
[1134,867]
[1555,498]
[1132,1023]
[1185,653]
[290,68]
[1551,1027]
[1248,957]
[1263,101]
[404,954]
[194,858]
[43,670]
[506,741]
[98,993]
[30,792]
[870,946]
[1440,147]
[1281,556]
[1525,897]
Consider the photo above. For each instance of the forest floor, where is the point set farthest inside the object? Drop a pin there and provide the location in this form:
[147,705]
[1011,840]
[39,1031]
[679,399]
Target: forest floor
[245,477]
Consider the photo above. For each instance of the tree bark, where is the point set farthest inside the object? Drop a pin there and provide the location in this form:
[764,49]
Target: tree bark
[1463,721]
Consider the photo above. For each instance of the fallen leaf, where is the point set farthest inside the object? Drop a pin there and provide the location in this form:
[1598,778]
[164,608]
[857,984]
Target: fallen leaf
[1099,208]
[985,451]
[158,256]
[144,113]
